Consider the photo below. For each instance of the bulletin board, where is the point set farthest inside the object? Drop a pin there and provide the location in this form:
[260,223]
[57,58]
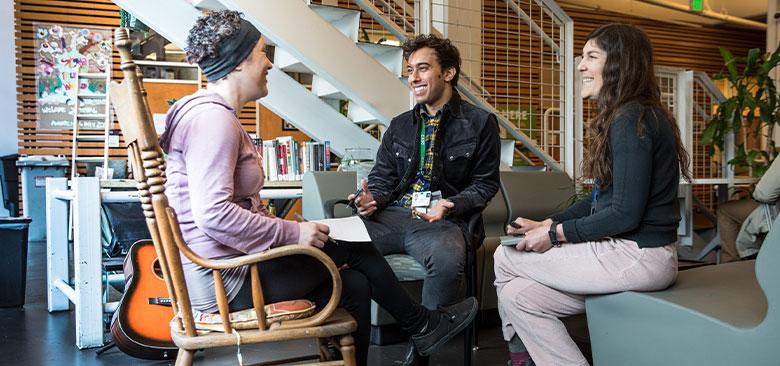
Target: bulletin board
[60,52]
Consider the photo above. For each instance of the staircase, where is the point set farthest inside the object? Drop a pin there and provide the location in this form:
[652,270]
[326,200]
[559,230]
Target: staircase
[321,41]
[296,103]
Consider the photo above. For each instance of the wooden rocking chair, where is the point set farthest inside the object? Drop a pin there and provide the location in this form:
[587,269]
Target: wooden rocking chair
[145,155]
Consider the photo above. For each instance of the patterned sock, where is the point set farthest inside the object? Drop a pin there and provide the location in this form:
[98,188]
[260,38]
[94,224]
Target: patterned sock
[519,358]
[518,354]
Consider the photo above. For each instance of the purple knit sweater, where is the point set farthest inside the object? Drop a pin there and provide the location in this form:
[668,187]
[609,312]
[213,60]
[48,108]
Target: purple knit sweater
[214,176]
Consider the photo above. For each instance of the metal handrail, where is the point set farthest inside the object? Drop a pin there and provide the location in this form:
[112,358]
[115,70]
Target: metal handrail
[466,84]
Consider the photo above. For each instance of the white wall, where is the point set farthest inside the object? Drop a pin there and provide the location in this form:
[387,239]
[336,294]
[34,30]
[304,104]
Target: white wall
[8,139]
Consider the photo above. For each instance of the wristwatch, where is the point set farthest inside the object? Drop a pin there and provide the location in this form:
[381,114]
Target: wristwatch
[554,234]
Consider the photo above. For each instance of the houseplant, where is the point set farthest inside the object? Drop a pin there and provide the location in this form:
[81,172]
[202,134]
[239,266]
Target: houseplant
[753,109]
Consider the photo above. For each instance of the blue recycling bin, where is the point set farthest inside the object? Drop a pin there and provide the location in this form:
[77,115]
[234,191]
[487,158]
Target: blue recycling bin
[13,260]
[35,170]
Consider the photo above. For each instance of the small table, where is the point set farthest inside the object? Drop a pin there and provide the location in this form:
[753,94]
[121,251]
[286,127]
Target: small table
[83,195]
[283,194]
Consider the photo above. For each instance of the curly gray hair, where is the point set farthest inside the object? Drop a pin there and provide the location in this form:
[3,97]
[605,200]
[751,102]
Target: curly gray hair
[208,32]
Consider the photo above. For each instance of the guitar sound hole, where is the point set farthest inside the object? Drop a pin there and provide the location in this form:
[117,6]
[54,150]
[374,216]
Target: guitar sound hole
[157,269]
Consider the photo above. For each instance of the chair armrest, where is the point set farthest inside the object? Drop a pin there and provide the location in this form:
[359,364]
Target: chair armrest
[329,207]
[254,258]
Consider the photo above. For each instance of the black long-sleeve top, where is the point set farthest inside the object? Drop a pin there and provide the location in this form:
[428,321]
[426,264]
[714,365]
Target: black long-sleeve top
[641,203]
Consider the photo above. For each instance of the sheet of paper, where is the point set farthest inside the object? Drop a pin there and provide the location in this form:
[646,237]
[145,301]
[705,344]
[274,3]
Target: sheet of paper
[346,228]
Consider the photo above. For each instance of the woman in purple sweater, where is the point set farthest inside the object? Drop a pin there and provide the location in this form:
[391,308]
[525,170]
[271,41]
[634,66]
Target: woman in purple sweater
[214,178]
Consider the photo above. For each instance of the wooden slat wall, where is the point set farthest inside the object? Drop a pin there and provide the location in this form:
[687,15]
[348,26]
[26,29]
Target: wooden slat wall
[697,49]
[694,48]
[97,13]
[87,13]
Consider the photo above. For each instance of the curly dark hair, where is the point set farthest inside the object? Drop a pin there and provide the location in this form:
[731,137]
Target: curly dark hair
[446,53]
[207,33]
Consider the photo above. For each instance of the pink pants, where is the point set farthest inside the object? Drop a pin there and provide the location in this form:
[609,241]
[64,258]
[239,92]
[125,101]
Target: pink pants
[535,289]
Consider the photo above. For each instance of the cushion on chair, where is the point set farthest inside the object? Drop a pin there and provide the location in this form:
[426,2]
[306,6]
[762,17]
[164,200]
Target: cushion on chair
[247,318]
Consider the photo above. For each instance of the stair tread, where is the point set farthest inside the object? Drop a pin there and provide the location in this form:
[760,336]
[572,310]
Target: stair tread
[334,10]
[383,46]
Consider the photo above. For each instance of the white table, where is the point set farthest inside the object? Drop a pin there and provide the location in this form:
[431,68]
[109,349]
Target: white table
[84,196]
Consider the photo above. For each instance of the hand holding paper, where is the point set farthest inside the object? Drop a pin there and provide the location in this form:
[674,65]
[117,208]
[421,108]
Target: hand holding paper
[346,229]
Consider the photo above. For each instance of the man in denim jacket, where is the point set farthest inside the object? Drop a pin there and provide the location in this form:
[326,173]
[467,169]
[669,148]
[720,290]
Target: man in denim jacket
[443,144]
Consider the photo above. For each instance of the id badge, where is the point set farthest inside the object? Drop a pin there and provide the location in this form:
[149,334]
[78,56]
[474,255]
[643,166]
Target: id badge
[435,198]
[421,199]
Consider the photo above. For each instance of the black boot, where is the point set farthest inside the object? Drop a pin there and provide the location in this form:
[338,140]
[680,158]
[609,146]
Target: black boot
[451,320]
[412,358]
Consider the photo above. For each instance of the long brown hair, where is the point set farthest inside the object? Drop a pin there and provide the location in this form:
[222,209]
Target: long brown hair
[628,76]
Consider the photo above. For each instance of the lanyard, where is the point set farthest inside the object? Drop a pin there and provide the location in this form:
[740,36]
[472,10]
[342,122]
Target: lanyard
[422,143]
[594,198]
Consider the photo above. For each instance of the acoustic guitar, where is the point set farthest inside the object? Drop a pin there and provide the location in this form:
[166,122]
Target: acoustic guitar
[141,324]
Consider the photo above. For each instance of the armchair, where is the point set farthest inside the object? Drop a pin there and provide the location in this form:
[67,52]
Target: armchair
[714,315]
[145,155]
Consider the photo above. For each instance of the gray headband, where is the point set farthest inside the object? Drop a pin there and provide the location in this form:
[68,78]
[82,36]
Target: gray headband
[231,52]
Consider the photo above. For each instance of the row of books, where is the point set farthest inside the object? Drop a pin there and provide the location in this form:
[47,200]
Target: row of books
[284,159]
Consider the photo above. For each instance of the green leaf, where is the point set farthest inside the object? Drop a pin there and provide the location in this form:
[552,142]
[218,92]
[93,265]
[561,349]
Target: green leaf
[736,118]
[752,57]
[759,171]
[751,156]
[708,135]
[749,102]
[765,113]
[730,64]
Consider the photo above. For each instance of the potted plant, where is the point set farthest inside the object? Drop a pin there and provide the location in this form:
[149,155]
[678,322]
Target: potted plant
[752,108]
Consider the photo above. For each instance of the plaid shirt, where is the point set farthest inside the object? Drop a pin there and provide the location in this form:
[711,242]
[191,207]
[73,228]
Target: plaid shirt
[423,181]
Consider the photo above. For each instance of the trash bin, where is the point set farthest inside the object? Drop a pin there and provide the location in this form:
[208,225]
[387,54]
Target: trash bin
[35,170]
[13,260]
[9,175]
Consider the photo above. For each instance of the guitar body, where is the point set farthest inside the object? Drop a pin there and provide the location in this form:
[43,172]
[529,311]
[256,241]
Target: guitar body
[141,324]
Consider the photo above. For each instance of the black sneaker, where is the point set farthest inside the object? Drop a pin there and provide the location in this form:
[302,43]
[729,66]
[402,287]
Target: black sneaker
[412,358]
[452,320]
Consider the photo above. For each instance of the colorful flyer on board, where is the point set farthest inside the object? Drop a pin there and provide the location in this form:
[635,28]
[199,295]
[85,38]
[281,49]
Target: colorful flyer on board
[60,52]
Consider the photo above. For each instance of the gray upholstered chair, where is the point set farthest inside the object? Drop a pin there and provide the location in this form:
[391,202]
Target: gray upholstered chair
[323,192]
[536,195]
[324,196]
[530,194]
[715,315]
[495,216]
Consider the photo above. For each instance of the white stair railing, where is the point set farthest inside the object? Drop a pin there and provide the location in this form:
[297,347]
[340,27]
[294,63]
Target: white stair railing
[288,98]
[451,19]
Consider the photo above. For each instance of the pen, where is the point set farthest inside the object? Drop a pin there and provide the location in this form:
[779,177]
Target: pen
[330,240]
[352,201]
[514,225]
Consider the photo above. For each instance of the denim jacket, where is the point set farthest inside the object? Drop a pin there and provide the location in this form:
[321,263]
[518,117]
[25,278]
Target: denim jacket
[465,163]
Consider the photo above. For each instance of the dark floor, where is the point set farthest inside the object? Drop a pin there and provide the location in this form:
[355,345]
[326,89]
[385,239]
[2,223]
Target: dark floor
[32,336]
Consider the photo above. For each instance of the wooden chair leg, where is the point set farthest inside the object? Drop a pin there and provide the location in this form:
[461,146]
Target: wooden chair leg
[347,344]
[325,355]
[184,358]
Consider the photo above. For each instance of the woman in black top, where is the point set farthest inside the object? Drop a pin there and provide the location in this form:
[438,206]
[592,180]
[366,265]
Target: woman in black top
[620,238]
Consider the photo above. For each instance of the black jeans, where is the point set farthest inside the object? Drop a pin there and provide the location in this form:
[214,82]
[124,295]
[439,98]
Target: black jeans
[439,247]
[367,277]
